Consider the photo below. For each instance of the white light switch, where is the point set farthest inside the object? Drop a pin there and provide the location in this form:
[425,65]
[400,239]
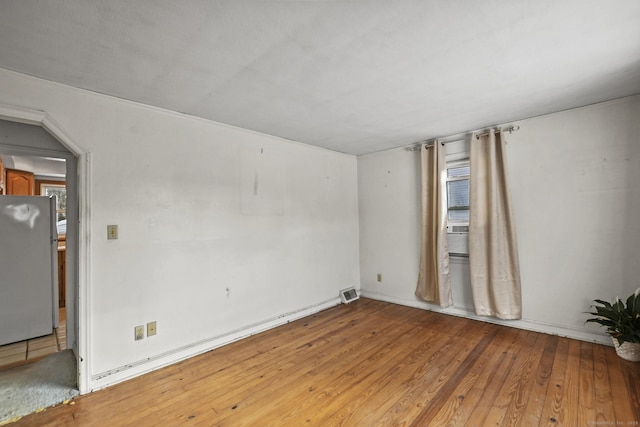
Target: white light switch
[112,232]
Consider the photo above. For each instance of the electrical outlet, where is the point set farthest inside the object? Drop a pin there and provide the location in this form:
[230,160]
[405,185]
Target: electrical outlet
[151,328]
[139,332]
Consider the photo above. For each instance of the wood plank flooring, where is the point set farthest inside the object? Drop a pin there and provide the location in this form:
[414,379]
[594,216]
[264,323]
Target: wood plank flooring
[371,363]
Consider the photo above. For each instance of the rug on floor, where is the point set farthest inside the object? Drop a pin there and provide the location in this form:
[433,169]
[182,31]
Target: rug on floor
[38,385]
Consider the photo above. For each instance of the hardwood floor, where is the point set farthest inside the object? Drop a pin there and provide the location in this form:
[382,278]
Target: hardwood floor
[372,363]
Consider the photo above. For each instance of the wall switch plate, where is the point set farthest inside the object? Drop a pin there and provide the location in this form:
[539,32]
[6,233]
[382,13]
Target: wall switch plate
[379,277]
[151,328]
[139,332]
[112,232]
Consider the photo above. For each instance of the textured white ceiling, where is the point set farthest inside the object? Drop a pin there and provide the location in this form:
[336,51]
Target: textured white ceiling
[352,76]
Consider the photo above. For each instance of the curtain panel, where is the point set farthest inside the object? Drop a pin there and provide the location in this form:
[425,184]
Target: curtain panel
[434,283]
[493,252]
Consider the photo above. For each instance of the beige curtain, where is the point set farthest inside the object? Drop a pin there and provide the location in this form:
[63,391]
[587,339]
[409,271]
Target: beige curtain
[433,280]
[493,252]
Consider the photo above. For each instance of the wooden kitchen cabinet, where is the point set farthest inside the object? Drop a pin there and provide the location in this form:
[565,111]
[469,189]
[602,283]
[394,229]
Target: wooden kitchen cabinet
[3,174]
[62,271]
[20,183]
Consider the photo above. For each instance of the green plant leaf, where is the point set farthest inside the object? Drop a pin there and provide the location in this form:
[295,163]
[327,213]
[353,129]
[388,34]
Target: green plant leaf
[635,303]
[631,304]
[621,320]
[603,322]
[607,313]
[605,303]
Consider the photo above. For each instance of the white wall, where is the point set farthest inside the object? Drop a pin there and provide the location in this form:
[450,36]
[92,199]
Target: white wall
[575,183]
[222,231]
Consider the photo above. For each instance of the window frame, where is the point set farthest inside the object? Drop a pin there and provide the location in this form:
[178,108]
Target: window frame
[41,190]
[452,164]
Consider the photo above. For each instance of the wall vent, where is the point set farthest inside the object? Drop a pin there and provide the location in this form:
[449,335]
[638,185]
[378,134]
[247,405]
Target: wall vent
[348,295]
[459,229]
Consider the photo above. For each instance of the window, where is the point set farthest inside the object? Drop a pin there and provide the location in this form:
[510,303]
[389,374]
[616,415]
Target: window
[458,196]
[58,189]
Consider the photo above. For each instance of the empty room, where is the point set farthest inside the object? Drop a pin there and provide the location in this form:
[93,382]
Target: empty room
[320,212]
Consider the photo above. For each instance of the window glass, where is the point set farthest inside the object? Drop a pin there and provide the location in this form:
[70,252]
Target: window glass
[458,171]
[60,191]
[459,216]
[458,192]
[61,200]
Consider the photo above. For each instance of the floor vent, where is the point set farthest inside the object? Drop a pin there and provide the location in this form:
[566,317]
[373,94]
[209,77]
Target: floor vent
[348,295]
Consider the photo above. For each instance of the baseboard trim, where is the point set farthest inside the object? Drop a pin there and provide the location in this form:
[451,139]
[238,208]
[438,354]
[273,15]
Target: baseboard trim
[140,367]
[526,324]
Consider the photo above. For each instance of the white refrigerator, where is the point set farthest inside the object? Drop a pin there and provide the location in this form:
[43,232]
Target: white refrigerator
[28,267]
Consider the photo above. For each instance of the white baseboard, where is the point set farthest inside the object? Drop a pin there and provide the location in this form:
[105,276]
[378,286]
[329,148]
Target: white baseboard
[132,370]
[529,325]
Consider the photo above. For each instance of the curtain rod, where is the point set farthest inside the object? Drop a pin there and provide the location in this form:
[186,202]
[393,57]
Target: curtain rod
[509,129]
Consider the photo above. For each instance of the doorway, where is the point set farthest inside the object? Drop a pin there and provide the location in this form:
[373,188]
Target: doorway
[38,176]
[32,143]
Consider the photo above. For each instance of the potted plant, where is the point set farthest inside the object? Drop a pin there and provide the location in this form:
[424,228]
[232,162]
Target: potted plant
[622,323]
